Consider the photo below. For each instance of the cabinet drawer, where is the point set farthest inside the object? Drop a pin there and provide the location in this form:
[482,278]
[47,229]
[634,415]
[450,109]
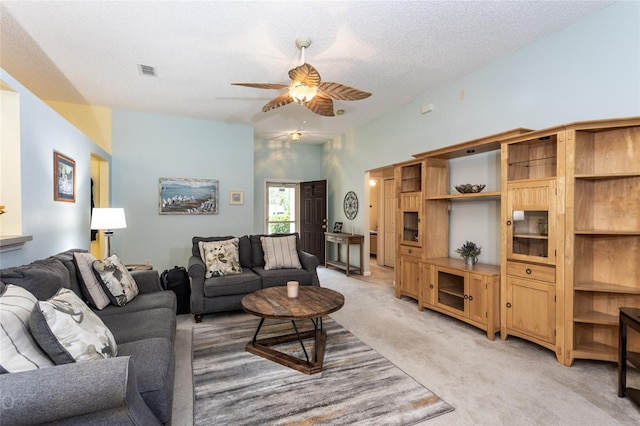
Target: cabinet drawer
[336,239]
[534,272]
[410,251]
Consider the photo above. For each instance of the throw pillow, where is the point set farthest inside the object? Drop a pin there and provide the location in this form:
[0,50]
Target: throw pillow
[118,280]
[69,331]
[220,257]
[91,287]
[280,253]
[20,351]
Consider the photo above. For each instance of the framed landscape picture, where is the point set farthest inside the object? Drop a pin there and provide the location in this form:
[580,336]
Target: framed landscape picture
[64,178]
[188,196]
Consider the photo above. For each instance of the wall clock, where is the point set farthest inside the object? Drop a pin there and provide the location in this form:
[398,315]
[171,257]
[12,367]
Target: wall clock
[350,205]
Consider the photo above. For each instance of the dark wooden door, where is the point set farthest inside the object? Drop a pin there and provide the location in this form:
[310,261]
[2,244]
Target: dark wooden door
[313,217]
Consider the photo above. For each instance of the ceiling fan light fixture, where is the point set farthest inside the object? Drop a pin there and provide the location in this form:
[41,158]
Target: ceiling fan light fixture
[301,93]
[295,136]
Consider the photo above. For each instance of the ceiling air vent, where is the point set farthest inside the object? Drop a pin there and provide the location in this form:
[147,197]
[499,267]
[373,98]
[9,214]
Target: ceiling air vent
[147,70]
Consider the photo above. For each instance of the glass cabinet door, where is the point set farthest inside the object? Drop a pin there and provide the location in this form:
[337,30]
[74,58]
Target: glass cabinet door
[411,212]
[531,221]
[410,229]
[530,235]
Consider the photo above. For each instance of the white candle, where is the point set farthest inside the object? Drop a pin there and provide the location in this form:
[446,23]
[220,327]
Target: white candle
[292,289]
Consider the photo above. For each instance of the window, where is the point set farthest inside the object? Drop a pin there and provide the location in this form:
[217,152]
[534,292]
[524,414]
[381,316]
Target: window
[281,202]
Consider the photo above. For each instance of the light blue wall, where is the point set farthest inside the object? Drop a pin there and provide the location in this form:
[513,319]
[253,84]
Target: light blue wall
[283,160]
[147,147]
[55,226]
[590,70]
[586,71]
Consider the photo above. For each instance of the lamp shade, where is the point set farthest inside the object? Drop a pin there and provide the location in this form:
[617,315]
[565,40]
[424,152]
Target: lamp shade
[110,218]
[302,93]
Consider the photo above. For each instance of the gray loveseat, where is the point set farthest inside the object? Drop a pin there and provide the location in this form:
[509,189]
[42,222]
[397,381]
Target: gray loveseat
[224,293]
[135,387]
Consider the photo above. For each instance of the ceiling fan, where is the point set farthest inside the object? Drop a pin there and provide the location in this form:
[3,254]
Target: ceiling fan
[307,89]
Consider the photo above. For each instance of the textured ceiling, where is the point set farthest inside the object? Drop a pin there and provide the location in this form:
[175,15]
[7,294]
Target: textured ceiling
[88,52]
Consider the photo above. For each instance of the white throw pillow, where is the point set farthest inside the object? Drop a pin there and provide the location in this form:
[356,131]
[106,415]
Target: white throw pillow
[280,252]
[220,257]
[18,349]
[69,331]
[117,279]
[90,284]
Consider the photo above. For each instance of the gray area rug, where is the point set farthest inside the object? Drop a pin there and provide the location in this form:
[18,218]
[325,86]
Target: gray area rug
[357,385]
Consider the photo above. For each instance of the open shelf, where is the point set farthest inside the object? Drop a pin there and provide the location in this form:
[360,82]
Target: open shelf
[599,176]
[603,287]
[535,162]
[607,151]
[411,178]
[596,318]
[483,195]
[596,351]
[534,158]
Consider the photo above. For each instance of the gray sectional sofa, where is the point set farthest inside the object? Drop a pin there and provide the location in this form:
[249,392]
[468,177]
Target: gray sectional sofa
[224,293]
[135,387]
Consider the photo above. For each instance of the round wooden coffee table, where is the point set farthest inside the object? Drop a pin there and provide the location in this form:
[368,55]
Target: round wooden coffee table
[312,303]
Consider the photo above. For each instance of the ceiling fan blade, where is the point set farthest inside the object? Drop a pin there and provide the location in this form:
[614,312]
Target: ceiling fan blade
[341,92]
[321,105]
[306,74]
[262,85]
[278,101]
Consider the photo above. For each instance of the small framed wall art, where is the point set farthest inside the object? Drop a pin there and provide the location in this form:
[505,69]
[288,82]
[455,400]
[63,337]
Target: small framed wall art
[236,197]
[337,227]
[64,178]
[187,196]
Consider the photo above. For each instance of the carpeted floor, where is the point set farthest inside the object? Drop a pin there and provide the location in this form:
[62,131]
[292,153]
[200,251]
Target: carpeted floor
[357,385]
[502,382]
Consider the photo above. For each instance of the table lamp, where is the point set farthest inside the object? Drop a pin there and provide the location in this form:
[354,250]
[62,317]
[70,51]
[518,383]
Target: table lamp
[107,219]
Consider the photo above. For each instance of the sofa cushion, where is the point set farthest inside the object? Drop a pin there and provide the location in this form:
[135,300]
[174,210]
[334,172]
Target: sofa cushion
[232,284]
[132,326]
[195,247]
[155,379]
[220,257]
[257,253]
[278,277]
[280,253]
[121,286]
[244,248]
[90,284]
[66,257]
[20,351]
[42,279]
[142,302]
[244,252]
[69,331]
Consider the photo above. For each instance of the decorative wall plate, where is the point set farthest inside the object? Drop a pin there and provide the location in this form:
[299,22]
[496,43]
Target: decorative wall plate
[350,205]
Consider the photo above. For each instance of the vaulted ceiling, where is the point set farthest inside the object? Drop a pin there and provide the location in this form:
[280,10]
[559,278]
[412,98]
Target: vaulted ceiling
[89,52]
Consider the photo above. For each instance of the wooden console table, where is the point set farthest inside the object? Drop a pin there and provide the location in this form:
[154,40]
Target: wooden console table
[629,317]
[348,240]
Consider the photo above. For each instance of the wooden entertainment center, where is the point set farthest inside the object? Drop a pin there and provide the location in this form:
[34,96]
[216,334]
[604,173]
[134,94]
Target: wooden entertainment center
[569,237]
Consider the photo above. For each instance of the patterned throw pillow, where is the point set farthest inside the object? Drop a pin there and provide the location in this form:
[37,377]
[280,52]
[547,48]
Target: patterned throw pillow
[280,253]
[220,257]
[18,349]
[91,287]
[69,331]
[118,280]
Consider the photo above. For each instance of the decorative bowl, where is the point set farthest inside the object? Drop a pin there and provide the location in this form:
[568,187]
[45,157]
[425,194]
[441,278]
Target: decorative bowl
[469,188]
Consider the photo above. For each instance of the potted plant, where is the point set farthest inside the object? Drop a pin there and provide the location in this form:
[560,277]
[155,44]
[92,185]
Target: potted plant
[470,252]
